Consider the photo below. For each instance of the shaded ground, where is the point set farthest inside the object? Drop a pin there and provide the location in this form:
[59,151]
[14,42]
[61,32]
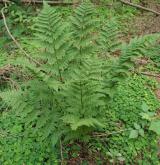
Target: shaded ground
[146,22]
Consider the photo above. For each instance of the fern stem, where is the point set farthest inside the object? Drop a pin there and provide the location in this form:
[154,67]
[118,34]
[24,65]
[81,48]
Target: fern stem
[60,74]
[81,97]
[61,150]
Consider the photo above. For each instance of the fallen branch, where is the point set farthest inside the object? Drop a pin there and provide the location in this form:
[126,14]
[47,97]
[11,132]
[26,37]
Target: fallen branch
[41,2]
[15,41]
[150,74]
[139,7]
[99,134]
[49,2]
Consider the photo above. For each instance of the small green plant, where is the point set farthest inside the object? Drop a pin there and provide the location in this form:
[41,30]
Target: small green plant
[152,117]
[137,131]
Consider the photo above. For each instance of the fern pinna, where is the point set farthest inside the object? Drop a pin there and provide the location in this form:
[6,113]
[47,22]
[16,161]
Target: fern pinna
[66,94]
[52,38]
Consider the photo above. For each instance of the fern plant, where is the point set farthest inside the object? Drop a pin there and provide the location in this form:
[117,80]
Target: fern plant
[82,95]
[66,94]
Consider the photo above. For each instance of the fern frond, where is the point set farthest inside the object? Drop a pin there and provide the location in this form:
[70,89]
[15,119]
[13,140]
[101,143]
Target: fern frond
[52,39]
[109,40]
[120,69]
[136,47]
[83,95]
[153,54]
[82,30]
[76,122]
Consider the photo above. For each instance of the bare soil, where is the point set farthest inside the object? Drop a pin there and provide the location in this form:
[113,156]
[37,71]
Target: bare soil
[146,22]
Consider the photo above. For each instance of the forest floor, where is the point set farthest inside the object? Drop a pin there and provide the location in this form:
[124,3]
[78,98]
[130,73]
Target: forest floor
[145,22]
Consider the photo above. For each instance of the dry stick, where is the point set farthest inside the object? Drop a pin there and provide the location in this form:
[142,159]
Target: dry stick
[139,7]
[150,74]
[96,134]
[41,2]
[49,2]
[15,41]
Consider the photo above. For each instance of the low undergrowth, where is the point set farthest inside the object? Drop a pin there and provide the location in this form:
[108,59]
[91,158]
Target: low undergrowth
[114,145]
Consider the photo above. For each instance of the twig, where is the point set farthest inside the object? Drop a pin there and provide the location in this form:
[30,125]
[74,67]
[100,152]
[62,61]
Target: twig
[150,74]
[61,149]
[139,7]
[41,2]
[96,134]
[15,41]
[49,2]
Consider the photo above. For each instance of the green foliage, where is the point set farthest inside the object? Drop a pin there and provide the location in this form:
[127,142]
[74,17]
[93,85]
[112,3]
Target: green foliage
[137,131]
[85,74]
[127,138]
[109,38]
[133,107]
[152,117]
[118,69]
[3,58]
[51,35]
[77,100]
[155,126]
[16,148]
[71,92]
[133,95]
[136,144]
[153,54]
[19,22]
